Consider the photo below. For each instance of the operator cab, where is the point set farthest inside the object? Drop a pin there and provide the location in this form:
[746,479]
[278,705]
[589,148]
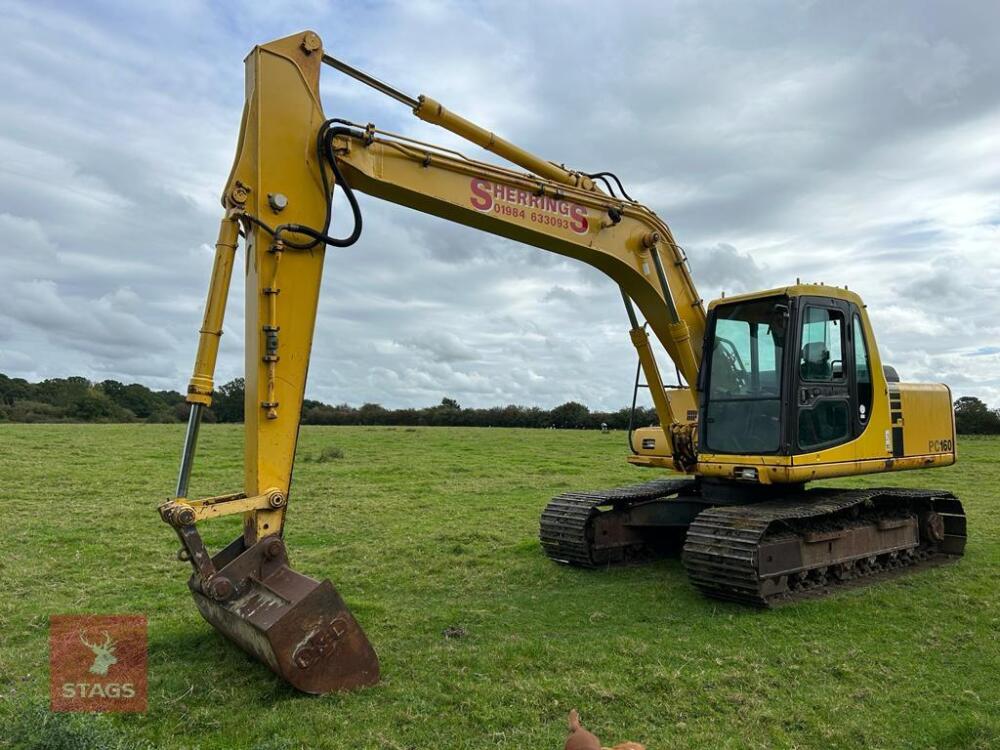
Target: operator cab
[784,373]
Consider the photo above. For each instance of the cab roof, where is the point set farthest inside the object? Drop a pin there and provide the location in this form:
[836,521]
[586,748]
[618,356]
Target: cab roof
[793,290]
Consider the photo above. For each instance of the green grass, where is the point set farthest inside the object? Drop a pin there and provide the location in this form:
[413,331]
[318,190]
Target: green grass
[427,529]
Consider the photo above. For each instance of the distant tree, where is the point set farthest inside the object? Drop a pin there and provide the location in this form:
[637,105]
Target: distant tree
[973,417]
[372,414]
[113,389]
[170,398]
[61,391]
[408,417]
[619,420]
[448,412]
[137,398]
[76,399]
[227,401]
[167,411]
[532,416]
[570,415]
[13,389]
[95,406]
[29,411]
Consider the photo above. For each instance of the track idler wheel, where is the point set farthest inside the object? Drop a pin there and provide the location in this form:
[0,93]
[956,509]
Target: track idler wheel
[296,625]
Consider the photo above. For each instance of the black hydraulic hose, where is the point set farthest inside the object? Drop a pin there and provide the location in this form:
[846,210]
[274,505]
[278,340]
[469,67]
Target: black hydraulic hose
[607,184]
[602,175]
[631,414]
[324,151]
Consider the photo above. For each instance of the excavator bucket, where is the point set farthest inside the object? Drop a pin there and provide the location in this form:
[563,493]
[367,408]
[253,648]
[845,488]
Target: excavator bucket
[296,625]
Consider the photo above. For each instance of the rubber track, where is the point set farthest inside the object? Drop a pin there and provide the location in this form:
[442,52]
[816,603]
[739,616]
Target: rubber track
[563,529]
[720,552]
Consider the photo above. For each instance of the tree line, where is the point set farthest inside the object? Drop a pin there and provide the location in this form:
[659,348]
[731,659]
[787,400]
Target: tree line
[77,399]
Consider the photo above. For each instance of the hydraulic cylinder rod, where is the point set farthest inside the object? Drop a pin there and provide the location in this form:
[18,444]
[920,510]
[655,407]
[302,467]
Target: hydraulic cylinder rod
[187,456]
[360,75]
[431,111]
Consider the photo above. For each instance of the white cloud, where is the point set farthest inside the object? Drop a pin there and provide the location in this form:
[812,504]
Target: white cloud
[853,144]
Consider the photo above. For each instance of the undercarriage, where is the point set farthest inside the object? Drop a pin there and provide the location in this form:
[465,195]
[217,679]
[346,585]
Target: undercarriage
[758,552]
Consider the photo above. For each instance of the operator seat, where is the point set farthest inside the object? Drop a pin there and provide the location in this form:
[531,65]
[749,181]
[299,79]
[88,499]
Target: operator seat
[816,362]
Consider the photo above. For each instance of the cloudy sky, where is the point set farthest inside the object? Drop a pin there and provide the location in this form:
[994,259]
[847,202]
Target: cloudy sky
[850,143]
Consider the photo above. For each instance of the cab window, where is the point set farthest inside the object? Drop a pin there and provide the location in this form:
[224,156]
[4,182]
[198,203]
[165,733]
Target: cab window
[862,372]
[822,355]
[743,410]
[824,394]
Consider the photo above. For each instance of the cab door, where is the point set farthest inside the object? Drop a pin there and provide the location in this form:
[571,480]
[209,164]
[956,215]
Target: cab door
[823,370]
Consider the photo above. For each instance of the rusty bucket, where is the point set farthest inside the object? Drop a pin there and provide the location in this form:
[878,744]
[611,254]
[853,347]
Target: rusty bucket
[296,625]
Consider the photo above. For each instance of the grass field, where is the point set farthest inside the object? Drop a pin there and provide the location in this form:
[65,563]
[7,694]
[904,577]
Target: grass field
[423,529]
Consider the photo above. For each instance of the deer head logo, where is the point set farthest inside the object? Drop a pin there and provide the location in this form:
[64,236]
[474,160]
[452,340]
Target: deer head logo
[104,654]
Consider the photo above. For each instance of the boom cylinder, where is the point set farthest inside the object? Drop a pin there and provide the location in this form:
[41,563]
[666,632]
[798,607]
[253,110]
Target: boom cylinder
[640,340]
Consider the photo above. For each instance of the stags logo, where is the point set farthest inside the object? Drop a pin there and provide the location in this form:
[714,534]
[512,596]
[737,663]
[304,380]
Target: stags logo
[506,201]
[104,654]
[97,662]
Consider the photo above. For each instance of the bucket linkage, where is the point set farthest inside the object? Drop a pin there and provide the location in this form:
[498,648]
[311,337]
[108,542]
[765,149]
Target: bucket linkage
[296,625]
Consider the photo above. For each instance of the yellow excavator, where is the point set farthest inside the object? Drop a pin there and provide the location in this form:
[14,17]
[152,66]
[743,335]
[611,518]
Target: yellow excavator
[779,387]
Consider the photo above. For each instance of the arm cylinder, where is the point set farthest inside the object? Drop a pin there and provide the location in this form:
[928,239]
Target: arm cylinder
[432,111]
[360,75]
